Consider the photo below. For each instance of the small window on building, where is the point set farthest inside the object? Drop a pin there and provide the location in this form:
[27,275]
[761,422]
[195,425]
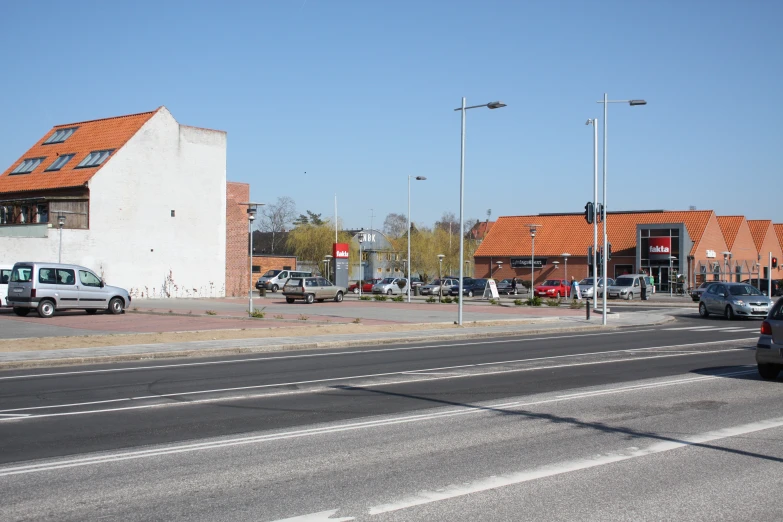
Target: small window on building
[60,135]
[27,166]
[24,214]
[5,215]
[173,213]
[94,158]
[42,213]
[60,162]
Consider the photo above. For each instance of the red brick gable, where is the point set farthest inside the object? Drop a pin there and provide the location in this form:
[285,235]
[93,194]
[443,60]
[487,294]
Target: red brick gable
[730,226]
[779,233]
[104,134]
[759,228]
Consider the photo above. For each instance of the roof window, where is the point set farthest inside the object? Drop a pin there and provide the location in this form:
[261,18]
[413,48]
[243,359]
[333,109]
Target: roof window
[27,166]
[60,135]
[60,162]
[94,158]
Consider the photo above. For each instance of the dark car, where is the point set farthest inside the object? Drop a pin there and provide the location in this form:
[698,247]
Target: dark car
[769,347]
[763,285]
[470,287]
[696,292]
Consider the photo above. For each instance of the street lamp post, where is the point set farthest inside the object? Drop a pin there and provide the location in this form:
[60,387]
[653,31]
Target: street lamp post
[440,280]
[671,260]
[565,256]
[418,178]
[500,265]
[252,210]
[361,263]
[726,258]
[61,222]
[491,105]
[594,123]
[532,257]
[328,259]
[606,103]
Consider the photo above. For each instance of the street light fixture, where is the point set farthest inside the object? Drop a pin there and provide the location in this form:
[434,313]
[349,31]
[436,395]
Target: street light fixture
[61,222]
[418,178]
[440,280]
[490,105]
[328,260]
[606,101]
[565,256]
[252,210]
[361,263]
[500,265]
[726,261]
[532,228]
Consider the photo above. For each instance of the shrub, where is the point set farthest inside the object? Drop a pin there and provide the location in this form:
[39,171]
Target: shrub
[258,314]
[518,302]
[533,301]
[493,301]
[303,317]
[553,302]
[398,299]
[279,316]
[357,320]
[210,312]
[455,299]
[431,299]
[379,297]
[364,297]
[576,304]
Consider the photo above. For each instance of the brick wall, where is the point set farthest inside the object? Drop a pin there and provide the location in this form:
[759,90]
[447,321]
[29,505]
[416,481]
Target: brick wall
[263,263]
[237,239]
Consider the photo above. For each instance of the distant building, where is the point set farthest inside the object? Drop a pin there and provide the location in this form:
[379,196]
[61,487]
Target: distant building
[379,257]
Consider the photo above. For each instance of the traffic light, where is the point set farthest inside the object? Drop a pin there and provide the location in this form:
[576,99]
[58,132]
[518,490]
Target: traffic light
[609,251]
[589,212]
[774,262]
[599,212]
[589,255]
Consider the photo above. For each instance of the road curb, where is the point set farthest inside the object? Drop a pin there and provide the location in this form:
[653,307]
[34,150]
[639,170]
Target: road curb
[313,345]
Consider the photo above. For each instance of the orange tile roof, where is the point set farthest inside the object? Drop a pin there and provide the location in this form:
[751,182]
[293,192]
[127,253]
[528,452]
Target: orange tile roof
[758,229]
[570,233]
[108,133]
[779,232]
[730,226]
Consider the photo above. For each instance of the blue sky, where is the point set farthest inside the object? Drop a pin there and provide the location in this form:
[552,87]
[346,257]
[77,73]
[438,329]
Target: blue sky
[361,94]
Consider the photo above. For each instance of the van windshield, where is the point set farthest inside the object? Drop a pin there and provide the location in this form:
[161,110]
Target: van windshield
[624,281]
[22,274]
[272,273]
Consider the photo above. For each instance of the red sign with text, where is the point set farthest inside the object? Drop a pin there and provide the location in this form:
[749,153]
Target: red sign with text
[340,250]
[660,247]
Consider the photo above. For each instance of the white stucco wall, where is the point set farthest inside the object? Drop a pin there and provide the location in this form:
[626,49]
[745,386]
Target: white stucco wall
[133,241]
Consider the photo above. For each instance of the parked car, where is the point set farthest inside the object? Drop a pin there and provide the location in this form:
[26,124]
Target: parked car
[416,282]
[5,276]
[763,285]
[626,287]
[696,292]
[504,287]
[48,287]
[366,286]
[439,285]
[311,289]
[553,288]
[734,300]
[275,279]
[470,288]
[769,347]
[586,286]
[391,286]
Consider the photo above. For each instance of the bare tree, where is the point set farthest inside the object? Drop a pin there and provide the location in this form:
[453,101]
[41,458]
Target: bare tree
[276,217]
[395,225]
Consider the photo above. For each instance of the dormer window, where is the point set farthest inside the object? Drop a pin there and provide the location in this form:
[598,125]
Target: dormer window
[60,162]
[60,135]
[95,158]
[27,166]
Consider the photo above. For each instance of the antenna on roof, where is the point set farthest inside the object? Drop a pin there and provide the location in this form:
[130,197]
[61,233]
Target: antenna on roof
[692,207]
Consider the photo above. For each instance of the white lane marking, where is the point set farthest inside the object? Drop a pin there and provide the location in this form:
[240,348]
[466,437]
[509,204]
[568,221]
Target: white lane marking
[14,415]
[706,327]
[352,426]
[549,470]
[366,376]
[321,516]
[446,344]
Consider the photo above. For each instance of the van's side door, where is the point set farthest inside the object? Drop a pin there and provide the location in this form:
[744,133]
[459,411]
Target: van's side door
[91,294]
[59,283]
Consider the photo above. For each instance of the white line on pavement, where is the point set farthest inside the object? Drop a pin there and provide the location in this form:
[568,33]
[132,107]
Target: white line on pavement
[365,376]
[352,426]
[490,483]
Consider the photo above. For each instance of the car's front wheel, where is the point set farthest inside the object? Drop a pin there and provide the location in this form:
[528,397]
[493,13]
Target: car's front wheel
[470,293]
[116,306]
[389,292]
[356,290]
[730,315]
[703,310]
[339,297]
[769,372]
[275,288]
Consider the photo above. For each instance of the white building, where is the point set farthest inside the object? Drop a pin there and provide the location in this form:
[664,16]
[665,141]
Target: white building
[143,197]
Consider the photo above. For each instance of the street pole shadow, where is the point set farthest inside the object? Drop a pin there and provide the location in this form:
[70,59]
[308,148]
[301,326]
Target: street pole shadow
[628,433]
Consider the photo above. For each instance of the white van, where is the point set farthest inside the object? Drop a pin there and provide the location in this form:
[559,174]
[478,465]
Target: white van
[5,276]
[274,280]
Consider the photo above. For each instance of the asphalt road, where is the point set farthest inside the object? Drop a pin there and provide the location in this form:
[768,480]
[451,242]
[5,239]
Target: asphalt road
[643,423]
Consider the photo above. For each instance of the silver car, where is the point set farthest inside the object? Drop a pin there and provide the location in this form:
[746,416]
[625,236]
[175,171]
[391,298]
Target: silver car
[586,287]
[391,286]
[734,300]
[769,348]
[437,286]
[48,287]
[312,289]
[625,287]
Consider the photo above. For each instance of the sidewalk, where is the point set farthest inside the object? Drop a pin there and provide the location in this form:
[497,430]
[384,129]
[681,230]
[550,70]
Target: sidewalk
[311,340]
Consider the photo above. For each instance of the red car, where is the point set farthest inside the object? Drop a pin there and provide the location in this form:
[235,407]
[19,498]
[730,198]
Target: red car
[553,288]
[366,287]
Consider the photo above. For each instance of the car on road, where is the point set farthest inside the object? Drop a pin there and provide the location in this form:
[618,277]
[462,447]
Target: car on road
[696,292]
[734,300]
[439,285]
[626,287]
[312,289]
[48,287]
[553,288]
[470,288]
[391,286]
[763,286]
[504,287]
[366,286]
[274,280]
[5,276]
[586,286]
[769,347]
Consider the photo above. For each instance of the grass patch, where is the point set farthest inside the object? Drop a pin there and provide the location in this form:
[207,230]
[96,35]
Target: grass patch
[357,320]
[279,316]
[364,298]
[533,301]
[553,302]
[379,297]
[448,299]
[210,312]
[519,302]
[258,314]
[303,317]
[398,299]
[493,301]
[577,304]
[431,299]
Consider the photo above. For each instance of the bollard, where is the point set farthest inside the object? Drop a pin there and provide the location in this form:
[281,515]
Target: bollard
[589,305]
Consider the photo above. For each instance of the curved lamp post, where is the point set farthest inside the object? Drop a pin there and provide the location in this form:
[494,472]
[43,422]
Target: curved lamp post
[418,178]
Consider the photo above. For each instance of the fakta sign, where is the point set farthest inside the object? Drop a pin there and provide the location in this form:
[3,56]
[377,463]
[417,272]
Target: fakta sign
[340,250]
[660,247]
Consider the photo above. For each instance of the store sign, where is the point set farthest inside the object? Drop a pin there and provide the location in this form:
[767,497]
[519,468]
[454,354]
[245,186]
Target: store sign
[340,267]
[660,248]
[525,262]
[711,254]
[340,250]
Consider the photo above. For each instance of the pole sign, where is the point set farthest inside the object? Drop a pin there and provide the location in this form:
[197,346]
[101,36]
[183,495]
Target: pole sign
[340,255]
[524,262]
[660,248]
